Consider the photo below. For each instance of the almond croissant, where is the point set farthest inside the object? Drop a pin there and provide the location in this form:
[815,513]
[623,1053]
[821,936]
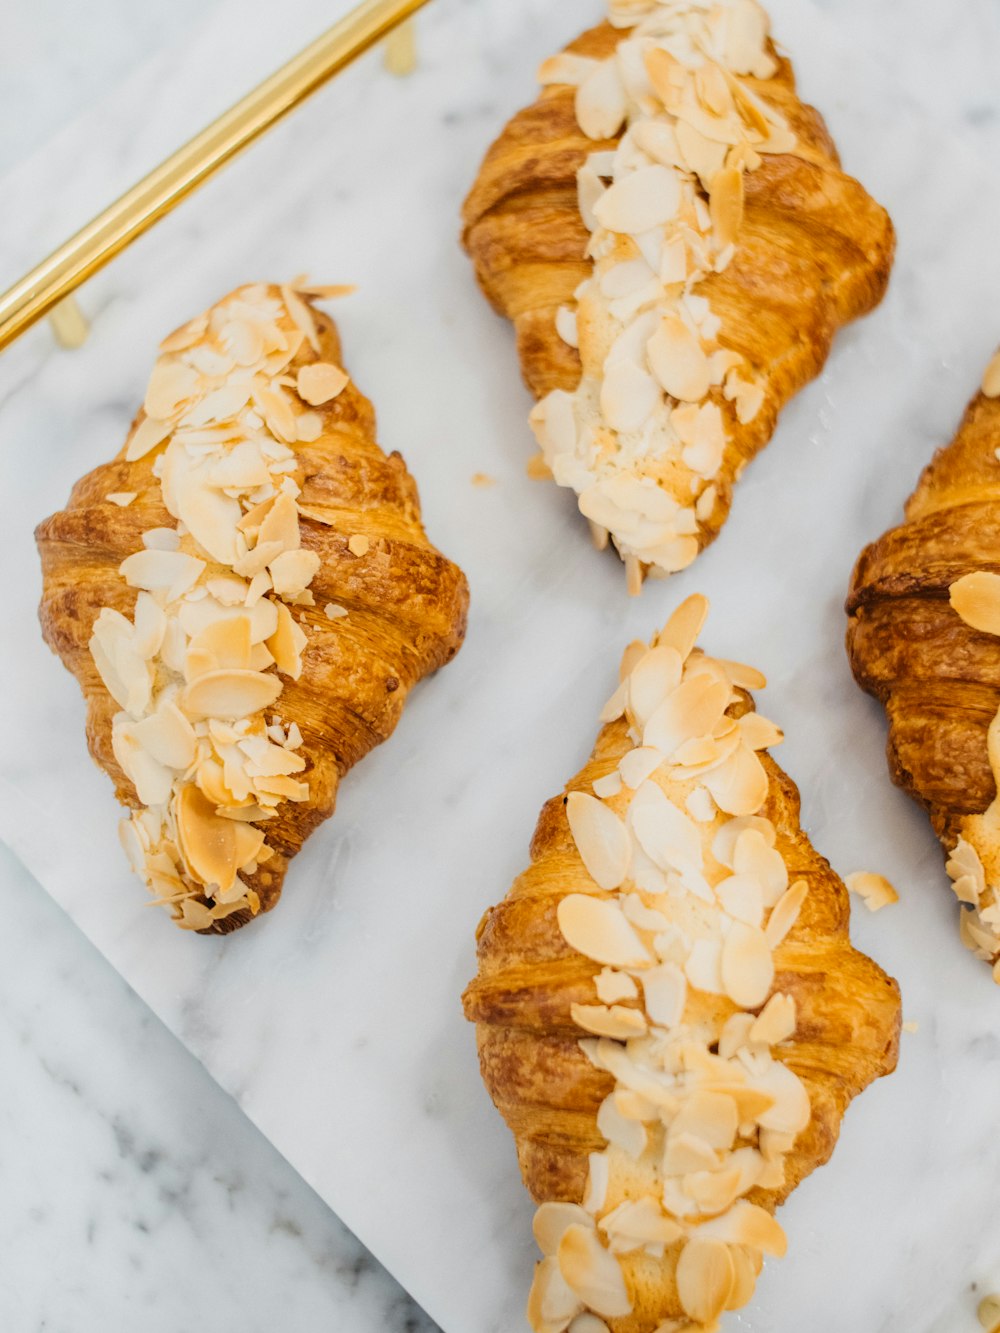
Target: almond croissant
[670,232]
[924,608]
[246,596]
[670,1015]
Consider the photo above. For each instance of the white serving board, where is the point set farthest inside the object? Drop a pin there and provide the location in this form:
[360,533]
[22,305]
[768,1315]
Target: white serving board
[336,1021]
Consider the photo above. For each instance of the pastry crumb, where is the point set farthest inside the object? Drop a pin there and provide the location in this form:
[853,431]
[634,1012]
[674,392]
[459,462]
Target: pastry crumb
[483,479]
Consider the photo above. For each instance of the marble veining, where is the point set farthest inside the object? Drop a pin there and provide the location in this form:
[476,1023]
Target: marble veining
[335,1024]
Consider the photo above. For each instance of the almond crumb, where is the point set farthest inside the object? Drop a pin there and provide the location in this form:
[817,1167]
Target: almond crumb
[121,498]
[334,611]
[874,890]
[911,1027]
[358,545]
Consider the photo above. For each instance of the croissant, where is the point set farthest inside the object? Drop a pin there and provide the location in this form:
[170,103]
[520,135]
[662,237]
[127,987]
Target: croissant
[670,1015]
[924,621]
[670,232]
[246,596]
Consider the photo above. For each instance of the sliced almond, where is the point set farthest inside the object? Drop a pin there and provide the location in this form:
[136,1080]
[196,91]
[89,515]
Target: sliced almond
[705,1277]
[599,930]
[747,965]
[785,913]
[685,624]
[601,839]
[207,841]
[776,1021]
[748,1224]
[678,361]
[600,101]
[644,199]
[230,694]
[691,710]
[593,1273]
[991,378]
[551,1303]
[726,204]
[551,1222]
[286,643]
[874,890]
[976,598]
[321,382]
[615,1021]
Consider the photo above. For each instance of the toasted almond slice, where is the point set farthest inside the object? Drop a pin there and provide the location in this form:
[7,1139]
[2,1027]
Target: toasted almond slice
[186,336]
[566,67]
[748,1224]
[287,643]
[281,524]
[230,694]
[601,839]
[147,435]
[638,765]
[600,101]
[747,965]
[664,991]
[875,890]
[293,571]
[705,1277]
[615,1021]
[726,204]
[168,736]
[712,1116]
[171,386]
[785,913]
[195,915]
[976,598]
[551,1222]
[678,362]
[593,1272]
[358,544]
[598,929]
[321,382]
[641,1220]
[224,643]
[740,786]
[647,198]
[759,733]
[685,624]
[612,986]
[991,378]
[693,709]
[776,1021]
[629,395]
[712,89]
[790,1111]
[551,1303]
[207,841]
[170,570]
[686,1153]
[665,73]
[656,675]
[666,834]
[703,156]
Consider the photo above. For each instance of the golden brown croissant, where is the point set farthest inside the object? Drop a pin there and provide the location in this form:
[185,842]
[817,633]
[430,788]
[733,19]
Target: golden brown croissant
[246,596]
[671,209]
[674,909]
[924,608]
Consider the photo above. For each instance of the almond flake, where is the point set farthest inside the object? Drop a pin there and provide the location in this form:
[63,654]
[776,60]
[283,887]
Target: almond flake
[615,1021]
[230,694]
[991,378]
[685,624]
[705,1277]
[207,841]
[785,913]
[976,598]
[551,1303]
[598,929]
[552,1220]
[664,991]
[612,986]
[600,101]
[358,545]
[875,890]
[601,839]
[320,382]
[776,1021]
[121,498]
[747,1224]
[334,611]
[593,1273]
[726,204]
[171,386]
[677,360]
[647,198]
[747,965]
[693,709]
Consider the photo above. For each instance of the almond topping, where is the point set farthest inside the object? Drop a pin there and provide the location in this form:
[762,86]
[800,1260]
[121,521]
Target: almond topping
[601,839]
[321,382]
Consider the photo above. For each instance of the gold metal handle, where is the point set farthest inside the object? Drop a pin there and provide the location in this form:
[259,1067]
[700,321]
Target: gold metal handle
[136,211]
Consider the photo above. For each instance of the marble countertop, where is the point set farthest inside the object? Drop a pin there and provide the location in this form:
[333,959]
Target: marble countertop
[133,1191]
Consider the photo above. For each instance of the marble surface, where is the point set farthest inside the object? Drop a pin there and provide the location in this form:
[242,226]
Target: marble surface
[135,1168]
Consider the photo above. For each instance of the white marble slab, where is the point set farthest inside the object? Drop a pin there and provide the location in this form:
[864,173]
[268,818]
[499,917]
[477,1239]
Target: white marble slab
[336,1023]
